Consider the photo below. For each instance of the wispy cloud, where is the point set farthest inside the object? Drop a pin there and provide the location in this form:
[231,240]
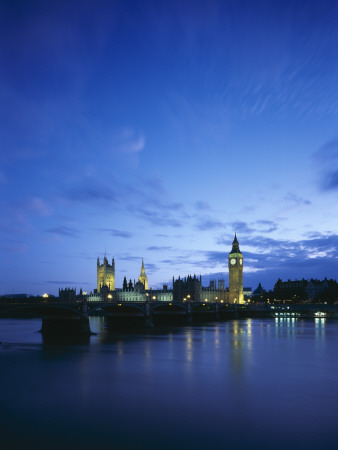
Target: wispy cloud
[242,227]
[116,233]
[130,258]
[128,141]
[266,226]
[202,205]
[16,215]
[91,191]
[19,247]
[258,226]
[294,198]
[150,267]
[142,199]
[326,158]
[159,248]
[208,223]
[67,282]
[331,181]
[63,230]
[38,206]
[156,217]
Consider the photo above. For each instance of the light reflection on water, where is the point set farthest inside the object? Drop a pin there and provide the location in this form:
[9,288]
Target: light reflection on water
[242,384]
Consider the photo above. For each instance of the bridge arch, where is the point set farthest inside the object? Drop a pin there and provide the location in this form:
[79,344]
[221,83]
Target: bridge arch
[168,306]
[117,308]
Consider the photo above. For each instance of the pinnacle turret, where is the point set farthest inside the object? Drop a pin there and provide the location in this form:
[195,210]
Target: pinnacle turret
[143,277]
[235,246]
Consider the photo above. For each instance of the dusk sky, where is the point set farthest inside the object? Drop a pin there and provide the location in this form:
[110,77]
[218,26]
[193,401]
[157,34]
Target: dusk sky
[156,129]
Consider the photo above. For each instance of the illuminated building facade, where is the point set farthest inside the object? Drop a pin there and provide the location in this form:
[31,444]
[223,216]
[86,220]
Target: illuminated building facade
[105,274]
[235,261]
[143,277]
[186,289]
[215,294]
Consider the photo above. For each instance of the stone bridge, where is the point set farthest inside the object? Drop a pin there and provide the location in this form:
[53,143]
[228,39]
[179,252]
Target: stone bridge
[73,317]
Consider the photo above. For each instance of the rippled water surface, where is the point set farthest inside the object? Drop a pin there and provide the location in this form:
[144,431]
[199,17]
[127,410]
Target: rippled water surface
[261,384]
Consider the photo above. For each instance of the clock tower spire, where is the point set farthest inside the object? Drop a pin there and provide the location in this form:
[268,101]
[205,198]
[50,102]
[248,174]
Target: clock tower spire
[235,262]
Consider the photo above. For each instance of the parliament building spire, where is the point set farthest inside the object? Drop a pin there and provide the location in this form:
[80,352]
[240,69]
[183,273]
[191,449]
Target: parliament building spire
[143,277]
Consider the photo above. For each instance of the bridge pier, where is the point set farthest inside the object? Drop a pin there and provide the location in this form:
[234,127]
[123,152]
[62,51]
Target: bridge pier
[189,316]
[147,318]
[217,312]
[66,325]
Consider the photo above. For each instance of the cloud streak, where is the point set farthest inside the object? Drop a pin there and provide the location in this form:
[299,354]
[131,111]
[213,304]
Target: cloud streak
[116,233]
[327,159]
[143,200]
[128,141]
[206,223]
[67,282]
[63,230]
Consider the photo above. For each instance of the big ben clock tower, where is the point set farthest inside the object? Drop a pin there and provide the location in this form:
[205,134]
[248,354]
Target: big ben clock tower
[235,274]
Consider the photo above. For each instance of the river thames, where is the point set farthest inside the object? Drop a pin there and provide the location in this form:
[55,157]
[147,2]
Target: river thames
[251,383]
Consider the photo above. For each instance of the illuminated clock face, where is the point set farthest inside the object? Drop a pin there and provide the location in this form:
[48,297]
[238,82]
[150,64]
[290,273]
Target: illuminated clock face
[241,262]
[232,261]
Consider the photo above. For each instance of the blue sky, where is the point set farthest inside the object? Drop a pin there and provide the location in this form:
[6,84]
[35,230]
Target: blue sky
[157,129]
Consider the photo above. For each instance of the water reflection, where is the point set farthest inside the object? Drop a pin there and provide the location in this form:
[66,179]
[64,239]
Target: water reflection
[182,387]
[285,326]
[97,324]
[189,346]
[320,326]
[241,342]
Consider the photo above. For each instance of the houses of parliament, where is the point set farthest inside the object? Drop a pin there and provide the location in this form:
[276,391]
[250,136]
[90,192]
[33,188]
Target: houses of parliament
[184,289]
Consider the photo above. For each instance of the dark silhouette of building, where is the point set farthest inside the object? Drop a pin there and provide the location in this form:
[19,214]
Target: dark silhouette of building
[258,294]
[305,290]
[187,289]
[67,294]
